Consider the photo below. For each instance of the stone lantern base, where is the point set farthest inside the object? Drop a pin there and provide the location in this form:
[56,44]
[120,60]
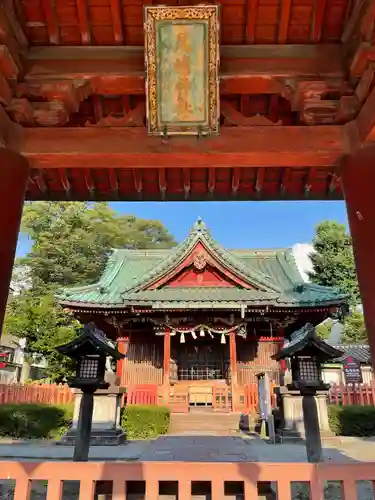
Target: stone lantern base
[293,428]
[106,429]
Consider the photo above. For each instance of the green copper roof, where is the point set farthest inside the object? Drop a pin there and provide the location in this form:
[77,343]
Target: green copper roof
[128,274]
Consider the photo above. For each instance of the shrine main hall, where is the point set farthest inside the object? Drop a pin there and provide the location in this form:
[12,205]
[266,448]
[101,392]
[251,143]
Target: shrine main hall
[199,322]
[229,100]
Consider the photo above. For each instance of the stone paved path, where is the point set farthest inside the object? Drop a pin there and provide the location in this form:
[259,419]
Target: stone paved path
[197,449]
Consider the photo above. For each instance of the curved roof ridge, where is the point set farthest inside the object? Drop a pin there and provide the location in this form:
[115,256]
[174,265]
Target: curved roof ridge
[200,232]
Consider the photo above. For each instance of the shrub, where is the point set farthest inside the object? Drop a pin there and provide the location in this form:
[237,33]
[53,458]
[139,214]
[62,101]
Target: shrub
[35,421]
[352,420]
[145,422]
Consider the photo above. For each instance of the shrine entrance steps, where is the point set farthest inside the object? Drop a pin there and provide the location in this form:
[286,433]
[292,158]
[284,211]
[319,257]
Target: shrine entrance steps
[204,422]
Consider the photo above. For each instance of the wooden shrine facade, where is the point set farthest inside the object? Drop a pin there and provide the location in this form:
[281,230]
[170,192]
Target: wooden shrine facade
[198,318]
[294,108]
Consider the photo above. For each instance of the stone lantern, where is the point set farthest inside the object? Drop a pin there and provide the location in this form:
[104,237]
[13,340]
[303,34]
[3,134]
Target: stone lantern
[301,398]
[90,351]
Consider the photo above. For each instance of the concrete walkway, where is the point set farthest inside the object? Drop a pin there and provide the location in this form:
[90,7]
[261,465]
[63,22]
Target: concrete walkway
[196,449]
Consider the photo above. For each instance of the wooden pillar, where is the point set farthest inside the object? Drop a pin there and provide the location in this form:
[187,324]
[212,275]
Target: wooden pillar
[233,367]
[167,358]
[13,178]
[358,182]
[123,346]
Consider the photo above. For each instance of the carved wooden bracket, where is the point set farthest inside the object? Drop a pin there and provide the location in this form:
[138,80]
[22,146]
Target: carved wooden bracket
[234,117]
[134,118]
[312,99]
[62,99]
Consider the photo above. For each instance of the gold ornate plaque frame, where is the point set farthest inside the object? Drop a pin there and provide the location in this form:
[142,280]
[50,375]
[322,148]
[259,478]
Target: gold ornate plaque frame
[182,69]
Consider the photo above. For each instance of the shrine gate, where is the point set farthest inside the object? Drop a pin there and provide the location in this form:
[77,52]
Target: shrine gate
[289,113]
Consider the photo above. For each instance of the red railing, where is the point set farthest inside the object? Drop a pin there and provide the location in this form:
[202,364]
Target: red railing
[186,480]
[251,397]
[45,394]
[353,394]
[142,394]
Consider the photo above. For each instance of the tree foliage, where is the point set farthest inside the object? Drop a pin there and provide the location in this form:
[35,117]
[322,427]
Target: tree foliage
[333,265]
[70,245]
[333,260]
[324,329]
[71,240]
[44,325]
[354,331]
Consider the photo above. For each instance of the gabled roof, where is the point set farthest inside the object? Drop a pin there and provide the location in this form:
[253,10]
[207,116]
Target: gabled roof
[306,337]
[361,352]
[269,277]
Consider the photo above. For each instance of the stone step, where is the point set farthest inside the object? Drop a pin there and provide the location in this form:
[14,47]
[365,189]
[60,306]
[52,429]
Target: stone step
[208,422]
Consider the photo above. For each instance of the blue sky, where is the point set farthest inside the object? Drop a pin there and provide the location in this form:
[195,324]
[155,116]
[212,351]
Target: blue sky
[237,224]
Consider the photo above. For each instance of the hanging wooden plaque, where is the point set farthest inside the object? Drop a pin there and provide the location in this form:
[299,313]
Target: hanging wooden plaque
[182,65]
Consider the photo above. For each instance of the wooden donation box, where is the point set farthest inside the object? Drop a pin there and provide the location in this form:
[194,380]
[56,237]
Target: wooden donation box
[182,64]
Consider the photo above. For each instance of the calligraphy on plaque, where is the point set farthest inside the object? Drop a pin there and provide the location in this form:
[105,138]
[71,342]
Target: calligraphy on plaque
[182,65]
[352,371]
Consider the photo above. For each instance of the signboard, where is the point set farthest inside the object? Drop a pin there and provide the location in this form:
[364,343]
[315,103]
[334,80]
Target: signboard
[352,370]
[265,406]
[263,398]
[182,69]
[3,357]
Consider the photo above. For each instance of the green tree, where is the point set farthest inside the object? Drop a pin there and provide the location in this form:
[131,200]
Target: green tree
[72,240]
[70,245]
[44,325]
[333,260]
[324,329]
[354,331]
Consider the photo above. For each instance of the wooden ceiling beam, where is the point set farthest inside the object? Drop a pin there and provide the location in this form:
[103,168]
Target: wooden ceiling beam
[83,21]
[358,38]
[117,24]
[186,182]
[284,21]
[235,146]
[244,69]
[365,121]
[236,179]
[8,67]
[11,33]
[251,19]
[317,24]
[51,21]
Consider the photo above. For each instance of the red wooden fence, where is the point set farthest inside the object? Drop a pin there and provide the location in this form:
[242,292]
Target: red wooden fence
[251,397]
[352,394]
[190,480]
[142,394]
[45,394]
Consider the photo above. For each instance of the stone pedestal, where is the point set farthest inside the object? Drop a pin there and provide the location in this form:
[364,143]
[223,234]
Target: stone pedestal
[293,426]
[106,429]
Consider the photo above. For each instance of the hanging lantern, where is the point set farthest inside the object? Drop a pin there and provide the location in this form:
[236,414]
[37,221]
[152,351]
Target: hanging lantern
[194,335]
[182,338]
[201,333]
[223,341]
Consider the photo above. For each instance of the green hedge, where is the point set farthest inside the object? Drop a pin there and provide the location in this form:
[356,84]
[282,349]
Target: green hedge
[34,421]
[145,422]
[352,420]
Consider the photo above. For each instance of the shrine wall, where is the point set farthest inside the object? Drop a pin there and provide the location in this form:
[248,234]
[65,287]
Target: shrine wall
[254,357]
[144,363]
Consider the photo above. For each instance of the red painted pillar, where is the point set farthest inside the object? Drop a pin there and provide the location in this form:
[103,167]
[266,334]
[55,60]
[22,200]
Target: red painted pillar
[167,358]
[233,356]
[358,182]
[122,346]
[233,368]
[13,178]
